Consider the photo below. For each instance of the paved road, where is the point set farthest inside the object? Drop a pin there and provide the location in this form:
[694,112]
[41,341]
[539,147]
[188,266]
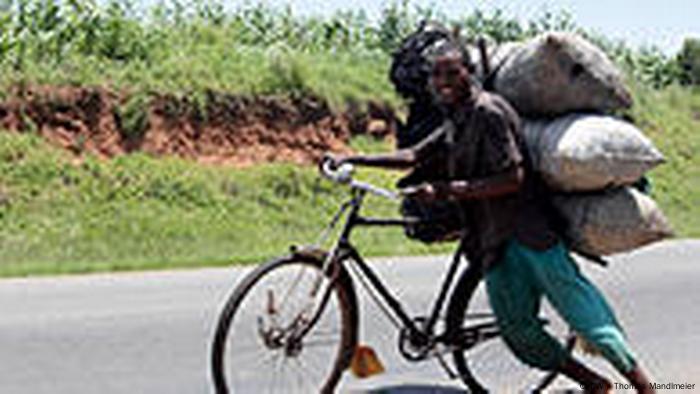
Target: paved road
[149,332]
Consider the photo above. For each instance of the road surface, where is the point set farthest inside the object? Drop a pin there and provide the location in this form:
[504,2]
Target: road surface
[150,332]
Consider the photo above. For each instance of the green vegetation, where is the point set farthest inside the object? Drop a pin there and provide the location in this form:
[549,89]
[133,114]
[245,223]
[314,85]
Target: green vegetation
[671,117]
[181,49]
[190,47]
[137,212]
[689,61]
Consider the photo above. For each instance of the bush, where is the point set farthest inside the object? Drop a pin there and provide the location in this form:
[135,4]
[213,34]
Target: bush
[132,117]
[689,61]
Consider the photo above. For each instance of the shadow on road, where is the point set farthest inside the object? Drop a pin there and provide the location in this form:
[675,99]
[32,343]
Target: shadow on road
[411,389]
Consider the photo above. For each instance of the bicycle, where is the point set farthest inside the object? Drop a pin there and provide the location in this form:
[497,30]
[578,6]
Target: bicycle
[319,287]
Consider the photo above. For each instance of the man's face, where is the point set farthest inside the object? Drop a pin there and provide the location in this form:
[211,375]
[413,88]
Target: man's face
[449,80]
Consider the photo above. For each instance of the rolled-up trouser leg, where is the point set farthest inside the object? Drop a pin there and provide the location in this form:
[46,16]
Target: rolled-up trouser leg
[516,302]
[580,303]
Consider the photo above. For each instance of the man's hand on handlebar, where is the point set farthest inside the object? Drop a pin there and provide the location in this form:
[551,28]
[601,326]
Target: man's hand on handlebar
[426,191]
[336,169]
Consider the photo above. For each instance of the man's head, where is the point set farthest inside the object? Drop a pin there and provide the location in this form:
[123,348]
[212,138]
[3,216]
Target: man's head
[450,79]
[412,63]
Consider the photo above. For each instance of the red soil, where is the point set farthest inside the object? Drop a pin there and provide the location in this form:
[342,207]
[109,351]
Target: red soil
[225,129]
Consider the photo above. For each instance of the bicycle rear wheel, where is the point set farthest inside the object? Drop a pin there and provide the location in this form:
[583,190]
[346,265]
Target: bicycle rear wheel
[484,363]
[278,333]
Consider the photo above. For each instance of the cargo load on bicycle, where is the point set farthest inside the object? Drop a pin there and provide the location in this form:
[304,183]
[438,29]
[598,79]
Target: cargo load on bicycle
[566,90]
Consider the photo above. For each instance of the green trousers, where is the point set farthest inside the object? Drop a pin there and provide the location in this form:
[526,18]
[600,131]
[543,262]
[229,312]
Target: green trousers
[516,285]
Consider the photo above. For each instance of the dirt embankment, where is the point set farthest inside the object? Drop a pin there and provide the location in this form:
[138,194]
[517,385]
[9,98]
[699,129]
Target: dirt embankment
[217,128]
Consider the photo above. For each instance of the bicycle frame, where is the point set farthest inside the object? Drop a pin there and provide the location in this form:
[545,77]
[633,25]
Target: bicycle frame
[344,251]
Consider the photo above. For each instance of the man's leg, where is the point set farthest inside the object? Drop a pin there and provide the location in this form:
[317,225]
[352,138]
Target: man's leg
[515,299]
[585,309]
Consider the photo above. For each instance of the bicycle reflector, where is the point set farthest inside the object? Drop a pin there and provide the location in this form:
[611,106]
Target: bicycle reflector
[365,362]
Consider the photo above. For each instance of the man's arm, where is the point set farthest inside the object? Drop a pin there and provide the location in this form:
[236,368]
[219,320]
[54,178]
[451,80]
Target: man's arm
[493,186]
[401,159]
[489,187]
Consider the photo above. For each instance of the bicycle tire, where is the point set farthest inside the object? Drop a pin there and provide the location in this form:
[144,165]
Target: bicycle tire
[456,314]
[343,293]
[459,309]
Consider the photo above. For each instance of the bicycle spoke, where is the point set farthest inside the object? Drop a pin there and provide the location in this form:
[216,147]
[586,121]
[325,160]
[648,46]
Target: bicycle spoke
[249,356]
[296,282]
[302,366]
[265,363]
[316,333]
[318,343]
[315,364]
[303,378]
[275,374]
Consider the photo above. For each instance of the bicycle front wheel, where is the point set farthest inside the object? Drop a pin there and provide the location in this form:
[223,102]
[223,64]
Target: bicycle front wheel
[287,328]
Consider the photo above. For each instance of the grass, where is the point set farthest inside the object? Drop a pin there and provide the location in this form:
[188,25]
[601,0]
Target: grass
[340,78]
[137,212]
[671,117]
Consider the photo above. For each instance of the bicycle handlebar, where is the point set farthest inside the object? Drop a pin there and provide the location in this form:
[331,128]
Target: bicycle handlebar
[343,175]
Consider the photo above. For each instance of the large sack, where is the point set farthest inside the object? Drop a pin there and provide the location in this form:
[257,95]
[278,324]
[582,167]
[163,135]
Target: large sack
[589,152]
[611,222]
[557,73]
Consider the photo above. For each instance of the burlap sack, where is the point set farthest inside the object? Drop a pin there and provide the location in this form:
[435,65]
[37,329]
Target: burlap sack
[612,222]
[557,73]
[589,152]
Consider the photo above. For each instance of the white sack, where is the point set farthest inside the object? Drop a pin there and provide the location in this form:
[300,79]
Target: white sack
[614,221]
[581,152]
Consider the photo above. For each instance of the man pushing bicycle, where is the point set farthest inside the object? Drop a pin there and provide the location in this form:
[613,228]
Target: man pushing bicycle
[476,159]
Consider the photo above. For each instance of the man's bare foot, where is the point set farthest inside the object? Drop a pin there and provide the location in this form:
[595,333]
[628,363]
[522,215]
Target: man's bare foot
[640,381]
[591,382]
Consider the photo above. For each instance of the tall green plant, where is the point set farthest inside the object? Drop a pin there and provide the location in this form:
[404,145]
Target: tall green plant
[202,44]
[689,61]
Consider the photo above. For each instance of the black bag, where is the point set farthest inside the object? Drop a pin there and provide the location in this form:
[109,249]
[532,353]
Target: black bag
[410,67]
[409,73]
[423,118]
[439,221]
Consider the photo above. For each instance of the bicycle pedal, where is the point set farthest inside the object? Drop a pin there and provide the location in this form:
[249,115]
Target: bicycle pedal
[365,362]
